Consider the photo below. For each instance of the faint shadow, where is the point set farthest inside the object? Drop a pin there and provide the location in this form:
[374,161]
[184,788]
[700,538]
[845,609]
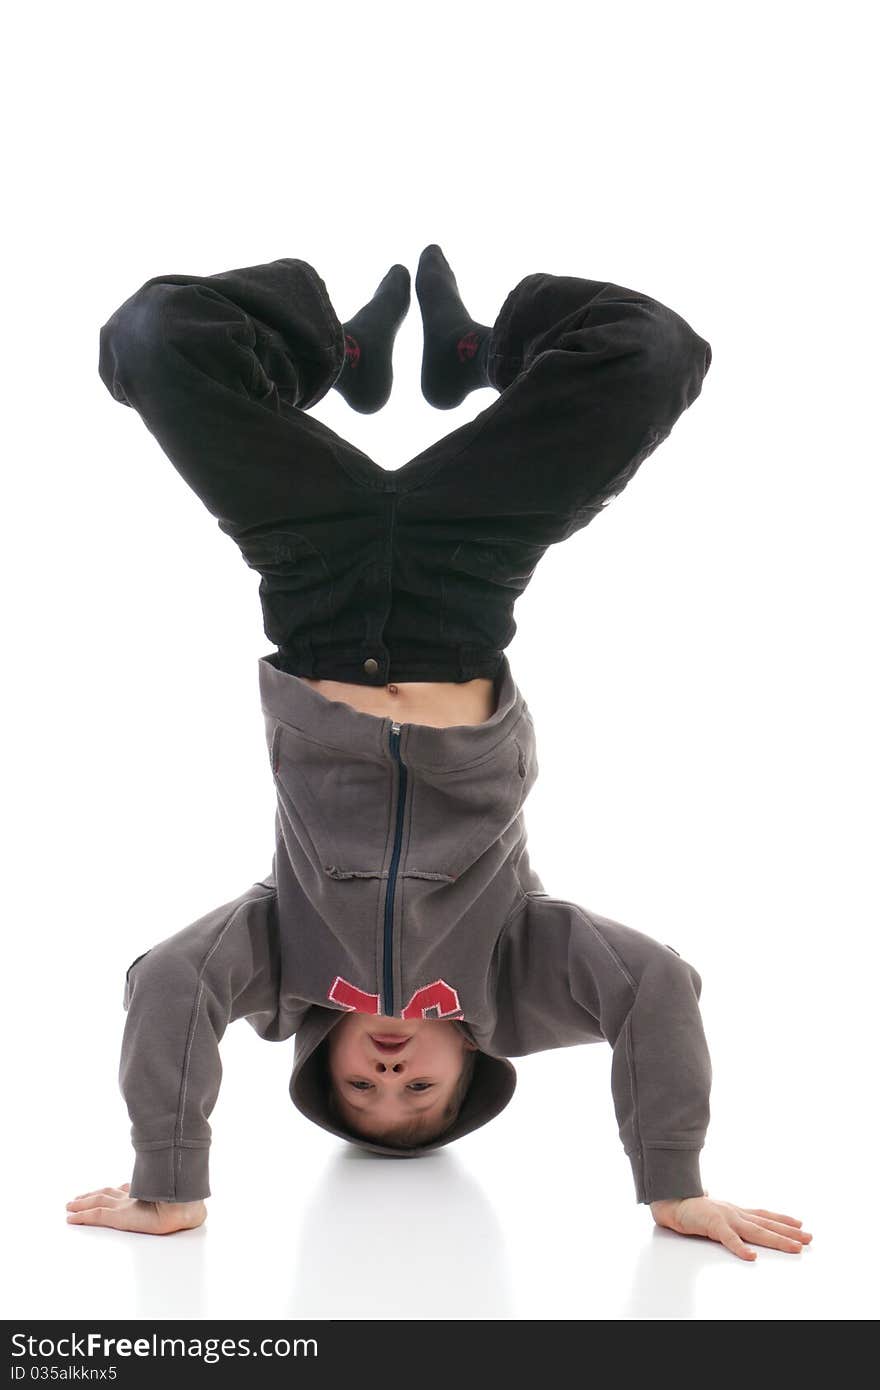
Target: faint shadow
[386,1238]
[167,1287]
[665,1277]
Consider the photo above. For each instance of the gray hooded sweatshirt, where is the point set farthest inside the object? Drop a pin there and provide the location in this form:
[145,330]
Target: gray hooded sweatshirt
[401,885]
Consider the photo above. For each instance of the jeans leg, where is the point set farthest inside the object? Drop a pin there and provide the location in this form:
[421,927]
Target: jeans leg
[592,378]
[221,368]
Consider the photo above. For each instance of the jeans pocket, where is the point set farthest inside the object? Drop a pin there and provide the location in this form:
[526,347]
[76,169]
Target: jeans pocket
[296,587]
[481,582]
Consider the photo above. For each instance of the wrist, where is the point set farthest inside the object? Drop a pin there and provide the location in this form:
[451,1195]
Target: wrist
[176,1216]
[667,1210]
[666,1203]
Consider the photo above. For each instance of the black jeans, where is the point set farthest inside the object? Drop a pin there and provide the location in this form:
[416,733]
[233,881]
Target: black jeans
[372,575]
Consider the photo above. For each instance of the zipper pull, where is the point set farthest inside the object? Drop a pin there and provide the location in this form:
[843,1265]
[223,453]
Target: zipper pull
[395,727]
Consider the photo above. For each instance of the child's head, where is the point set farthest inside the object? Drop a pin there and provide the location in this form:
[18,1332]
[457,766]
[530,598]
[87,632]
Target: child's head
[396,1081]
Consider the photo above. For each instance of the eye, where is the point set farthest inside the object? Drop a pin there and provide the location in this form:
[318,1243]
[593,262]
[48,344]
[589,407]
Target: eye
[417,1086]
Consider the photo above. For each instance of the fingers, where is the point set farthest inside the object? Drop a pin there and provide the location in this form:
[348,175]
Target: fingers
[95,1216]
[732,1226]
[95,1190]
[773,1215]
[728,1237]
[793,1232]
[116,1208]
[102,1196]
[763,1235]
[97,1199]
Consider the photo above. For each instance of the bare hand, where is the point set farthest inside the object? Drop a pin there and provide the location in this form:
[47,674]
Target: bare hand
[730,1225]
[112,1206]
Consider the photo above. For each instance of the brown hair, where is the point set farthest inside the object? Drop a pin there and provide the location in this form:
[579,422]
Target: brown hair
[420,1129]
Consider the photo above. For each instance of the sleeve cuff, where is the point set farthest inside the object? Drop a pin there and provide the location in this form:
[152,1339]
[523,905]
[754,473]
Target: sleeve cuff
[666,1173]
[172,1173]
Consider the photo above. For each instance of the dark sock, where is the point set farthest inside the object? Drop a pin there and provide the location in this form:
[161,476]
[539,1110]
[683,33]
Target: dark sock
[366,376]
[455,346]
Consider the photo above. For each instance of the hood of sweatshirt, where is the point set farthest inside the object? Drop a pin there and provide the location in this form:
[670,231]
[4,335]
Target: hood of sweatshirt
[490,1090]
[400,856]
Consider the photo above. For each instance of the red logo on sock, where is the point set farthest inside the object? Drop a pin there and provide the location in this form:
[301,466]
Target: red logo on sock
[352,350]
[468,346]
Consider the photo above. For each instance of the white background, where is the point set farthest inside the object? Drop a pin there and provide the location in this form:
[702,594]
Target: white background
[700,660]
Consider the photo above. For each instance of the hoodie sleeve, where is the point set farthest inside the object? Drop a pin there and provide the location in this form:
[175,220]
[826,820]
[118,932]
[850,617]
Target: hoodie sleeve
[569,976]
[179,997]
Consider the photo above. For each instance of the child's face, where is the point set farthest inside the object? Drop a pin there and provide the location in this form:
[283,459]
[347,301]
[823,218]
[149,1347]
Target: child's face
[381,1087]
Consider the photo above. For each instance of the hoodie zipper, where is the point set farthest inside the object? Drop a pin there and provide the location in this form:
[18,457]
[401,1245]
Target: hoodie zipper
[388,944]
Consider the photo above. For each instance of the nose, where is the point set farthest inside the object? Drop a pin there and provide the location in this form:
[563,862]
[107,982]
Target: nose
[381,1067]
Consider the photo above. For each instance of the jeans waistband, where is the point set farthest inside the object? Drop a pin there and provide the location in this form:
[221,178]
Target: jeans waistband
[374,664]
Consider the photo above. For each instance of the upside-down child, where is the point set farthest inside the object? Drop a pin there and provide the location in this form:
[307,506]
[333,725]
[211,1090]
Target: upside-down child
[403,935]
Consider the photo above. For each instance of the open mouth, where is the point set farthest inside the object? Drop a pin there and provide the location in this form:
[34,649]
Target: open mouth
[388,1042]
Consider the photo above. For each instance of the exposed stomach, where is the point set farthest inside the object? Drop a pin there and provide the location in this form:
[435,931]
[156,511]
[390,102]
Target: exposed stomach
[438,704]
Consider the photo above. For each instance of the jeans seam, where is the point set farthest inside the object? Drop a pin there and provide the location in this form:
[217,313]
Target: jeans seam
[501,330]
[336,345]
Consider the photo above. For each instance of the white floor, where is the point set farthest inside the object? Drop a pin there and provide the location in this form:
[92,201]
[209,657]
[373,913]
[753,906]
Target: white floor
[528,1219]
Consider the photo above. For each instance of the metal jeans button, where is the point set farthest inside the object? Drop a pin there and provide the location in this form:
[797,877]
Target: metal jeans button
[371,666]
